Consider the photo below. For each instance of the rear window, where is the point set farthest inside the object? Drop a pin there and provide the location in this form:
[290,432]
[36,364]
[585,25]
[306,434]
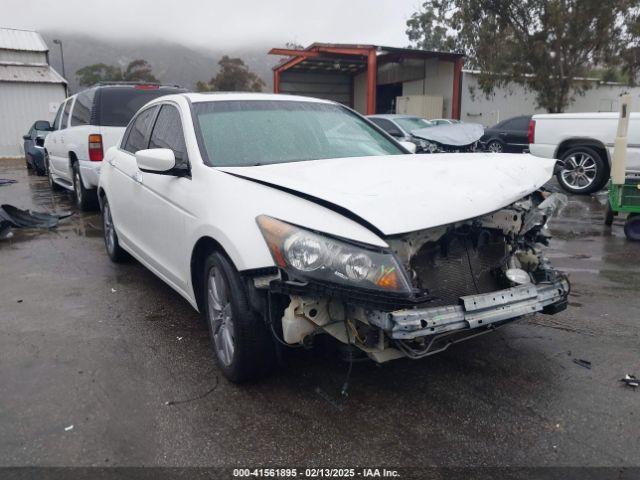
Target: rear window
[116,106]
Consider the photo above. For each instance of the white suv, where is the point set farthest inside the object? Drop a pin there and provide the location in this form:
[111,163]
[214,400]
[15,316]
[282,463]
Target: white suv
[86,125]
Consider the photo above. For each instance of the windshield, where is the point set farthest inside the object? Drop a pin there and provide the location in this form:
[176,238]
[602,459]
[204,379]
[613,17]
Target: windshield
[413,123]
[259,132]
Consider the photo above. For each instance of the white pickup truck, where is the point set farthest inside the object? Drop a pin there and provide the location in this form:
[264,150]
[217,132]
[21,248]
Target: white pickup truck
[583,144]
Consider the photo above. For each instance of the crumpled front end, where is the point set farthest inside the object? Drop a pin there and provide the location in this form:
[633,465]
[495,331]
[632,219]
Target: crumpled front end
[466,279]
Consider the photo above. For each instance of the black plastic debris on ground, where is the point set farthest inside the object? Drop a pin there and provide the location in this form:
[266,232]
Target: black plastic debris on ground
[13,217]
[631,381]
[582,363]
[7,181]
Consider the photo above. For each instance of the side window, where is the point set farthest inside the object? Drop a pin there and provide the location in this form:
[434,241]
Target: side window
[56,122]
[520,123]
[82,108]
[136,137]
[65,114]
[167,133]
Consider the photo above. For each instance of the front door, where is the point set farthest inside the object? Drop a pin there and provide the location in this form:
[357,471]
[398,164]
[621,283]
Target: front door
[163,204]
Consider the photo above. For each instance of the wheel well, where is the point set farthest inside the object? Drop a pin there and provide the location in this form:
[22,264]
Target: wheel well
[202,249]
[101,196]
[583,142]
[73,158]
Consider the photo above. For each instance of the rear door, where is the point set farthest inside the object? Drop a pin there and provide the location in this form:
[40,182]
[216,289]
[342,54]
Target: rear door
[517,133]
[163,202]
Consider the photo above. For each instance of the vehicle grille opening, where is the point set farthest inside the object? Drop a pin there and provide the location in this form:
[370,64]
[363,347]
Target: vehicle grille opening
[465,261]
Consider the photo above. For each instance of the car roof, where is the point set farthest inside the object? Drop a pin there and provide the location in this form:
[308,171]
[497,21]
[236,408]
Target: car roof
[393,116]
[240,96]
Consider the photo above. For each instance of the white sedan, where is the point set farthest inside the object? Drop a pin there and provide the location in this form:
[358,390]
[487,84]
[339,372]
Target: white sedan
[281,218]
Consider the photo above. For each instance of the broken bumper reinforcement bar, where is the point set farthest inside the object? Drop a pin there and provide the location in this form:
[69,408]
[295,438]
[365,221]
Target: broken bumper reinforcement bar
[474,311]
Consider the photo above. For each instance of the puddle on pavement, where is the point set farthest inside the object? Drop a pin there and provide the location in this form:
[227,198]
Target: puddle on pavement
[33,193]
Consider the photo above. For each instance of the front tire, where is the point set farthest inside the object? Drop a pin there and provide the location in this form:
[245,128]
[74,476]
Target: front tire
[583,171]
[114,250]
[85,198]
[609,215]
[495,146]
[241,341]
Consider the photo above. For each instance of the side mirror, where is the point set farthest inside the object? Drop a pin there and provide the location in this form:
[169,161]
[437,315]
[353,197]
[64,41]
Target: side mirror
[43,126]
[409,146]
[396,133]
[40,141]
[156,160]
[26,137]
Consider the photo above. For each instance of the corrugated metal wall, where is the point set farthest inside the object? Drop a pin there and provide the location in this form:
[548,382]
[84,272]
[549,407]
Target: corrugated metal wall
[331,86]
[21,104]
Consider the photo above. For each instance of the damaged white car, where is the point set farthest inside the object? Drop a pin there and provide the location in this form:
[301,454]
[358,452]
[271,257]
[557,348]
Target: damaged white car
[279,226]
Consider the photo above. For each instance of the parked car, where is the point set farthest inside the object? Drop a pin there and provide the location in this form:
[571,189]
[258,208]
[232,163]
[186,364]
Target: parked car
[428,137]
[444,121]
[583,144]
[34,146]
[278,226]
[510,135]
[86,125]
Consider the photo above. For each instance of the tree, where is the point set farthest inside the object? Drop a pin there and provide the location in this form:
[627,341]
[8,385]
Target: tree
[136,71]
[544,45]
[233,76]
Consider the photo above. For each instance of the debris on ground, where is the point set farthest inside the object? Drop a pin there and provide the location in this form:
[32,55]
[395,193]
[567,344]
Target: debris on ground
[193,399]
[13,217]
[582,363]
[113,290]
[7,181]
[631,381]
[70,427]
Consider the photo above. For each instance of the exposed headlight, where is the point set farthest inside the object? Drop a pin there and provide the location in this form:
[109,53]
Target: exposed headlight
[518,276]
[312,256]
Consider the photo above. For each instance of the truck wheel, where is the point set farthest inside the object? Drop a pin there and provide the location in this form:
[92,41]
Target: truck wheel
[609,215]
[85,198]
[583,171]
[632,227]
[241,341]
[114,250]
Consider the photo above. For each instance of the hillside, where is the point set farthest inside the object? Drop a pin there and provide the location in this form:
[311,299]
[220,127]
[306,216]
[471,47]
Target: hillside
[172,63]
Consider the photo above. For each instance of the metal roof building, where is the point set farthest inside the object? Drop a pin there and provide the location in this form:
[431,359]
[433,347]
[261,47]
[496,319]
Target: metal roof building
[374,78]
[30,89]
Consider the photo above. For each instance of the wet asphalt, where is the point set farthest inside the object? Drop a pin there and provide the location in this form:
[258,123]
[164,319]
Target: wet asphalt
[115,353]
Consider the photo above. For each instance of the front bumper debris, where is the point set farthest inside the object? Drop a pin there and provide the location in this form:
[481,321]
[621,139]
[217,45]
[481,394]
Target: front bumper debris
[474,311]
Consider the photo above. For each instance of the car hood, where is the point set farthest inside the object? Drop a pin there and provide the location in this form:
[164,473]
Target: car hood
[458,134]
[404,193]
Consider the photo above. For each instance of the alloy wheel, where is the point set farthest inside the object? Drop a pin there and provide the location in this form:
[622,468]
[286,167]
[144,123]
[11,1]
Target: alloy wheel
[220,316]
[109,230]
[495,147]
[77,187]
[579,170]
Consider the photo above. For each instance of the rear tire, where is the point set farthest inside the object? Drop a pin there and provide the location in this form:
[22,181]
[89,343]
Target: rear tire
[86,199]
[583,171]
[242,343]
[632,227]
[609,215]
[114,250]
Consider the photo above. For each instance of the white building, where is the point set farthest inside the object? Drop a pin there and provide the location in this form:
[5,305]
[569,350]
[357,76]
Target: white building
[515,100]
[30,89]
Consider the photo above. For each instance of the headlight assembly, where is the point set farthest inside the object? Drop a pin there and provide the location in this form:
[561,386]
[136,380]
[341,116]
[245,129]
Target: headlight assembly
[303,253]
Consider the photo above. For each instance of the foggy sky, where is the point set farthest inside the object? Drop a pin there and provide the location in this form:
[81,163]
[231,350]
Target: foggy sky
[218,23]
